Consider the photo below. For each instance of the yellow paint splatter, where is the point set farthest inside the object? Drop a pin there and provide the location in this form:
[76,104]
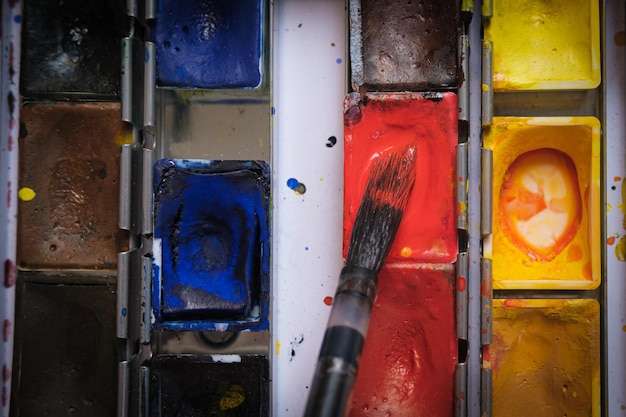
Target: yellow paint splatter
[485,87]
[232,398]
[608,207]
[26,194]
[406,252]
[277,347]
[624,328]
[620,249]
[125,135]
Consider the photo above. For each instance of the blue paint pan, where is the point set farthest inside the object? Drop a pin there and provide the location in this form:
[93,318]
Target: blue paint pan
[211,245]
[209,44]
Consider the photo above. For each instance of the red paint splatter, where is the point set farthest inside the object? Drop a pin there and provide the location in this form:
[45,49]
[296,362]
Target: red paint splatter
[9,194]
[9,273]
[486,355]
[460,179]
[10,141]
[610,240]
[6,330]
[6,373]
[461,283]
[485,331]
[410,352]
[328,300]
[616,179]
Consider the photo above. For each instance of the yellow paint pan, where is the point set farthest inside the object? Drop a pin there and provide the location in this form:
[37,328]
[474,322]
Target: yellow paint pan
[545,45]
[546,202]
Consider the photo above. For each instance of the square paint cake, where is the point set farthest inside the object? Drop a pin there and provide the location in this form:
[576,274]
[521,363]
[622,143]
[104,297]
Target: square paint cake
[544,45]
[379,123]
[546,202]
[410,353]
[545,357]
[210,44]
[211,244]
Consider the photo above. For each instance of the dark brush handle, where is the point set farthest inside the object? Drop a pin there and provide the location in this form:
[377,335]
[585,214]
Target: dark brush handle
[343,342]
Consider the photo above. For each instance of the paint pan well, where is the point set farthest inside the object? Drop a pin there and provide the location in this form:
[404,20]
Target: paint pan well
[545,357]
[72,47]
[545,45]
[386,122]
[210,44]
[413,48]
[211,385]
[68,186]
[211,245]
[65,360]
[409,357]
[546,202]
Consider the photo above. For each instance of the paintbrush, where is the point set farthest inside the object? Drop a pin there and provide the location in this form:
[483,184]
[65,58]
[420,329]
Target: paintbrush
[387,191]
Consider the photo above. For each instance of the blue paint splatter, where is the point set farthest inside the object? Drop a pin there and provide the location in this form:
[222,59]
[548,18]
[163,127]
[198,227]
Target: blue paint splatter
[124,312]
[17,18]
[209,44]
[339,61]
[296,185]
[212,219]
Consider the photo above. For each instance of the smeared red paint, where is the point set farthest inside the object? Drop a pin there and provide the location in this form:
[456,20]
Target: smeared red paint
[6,330]
[485,288]
[9,273]
[486,354]
[381,123]
[461,283]
[328,300]
[9,194]
[10,139]
[409,357]
[6,373]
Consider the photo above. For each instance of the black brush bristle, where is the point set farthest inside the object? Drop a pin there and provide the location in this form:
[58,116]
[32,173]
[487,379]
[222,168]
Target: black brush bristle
[385,197]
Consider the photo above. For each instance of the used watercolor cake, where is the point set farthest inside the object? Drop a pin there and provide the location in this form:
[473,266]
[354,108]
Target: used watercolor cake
[211,245]
[539,45]
[546,202]
[545,357]
[409,357]
[382,121]
[210,44]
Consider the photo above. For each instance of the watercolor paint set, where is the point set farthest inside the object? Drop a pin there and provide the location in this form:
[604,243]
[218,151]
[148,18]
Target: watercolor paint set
[181,179]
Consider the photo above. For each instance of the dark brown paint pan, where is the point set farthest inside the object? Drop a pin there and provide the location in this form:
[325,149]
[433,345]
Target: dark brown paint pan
[68,186]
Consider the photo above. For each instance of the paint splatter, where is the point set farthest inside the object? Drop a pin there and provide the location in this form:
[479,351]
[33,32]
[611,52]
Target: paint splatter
[26,194]
[232,398]
[610,240]
[332,141]
[294,345]
[9,273]
[296,185]
[461,283]
[328,300]
[620,249]
[620,38]
[277,347]
[339,60]
[6,330]
[406,252]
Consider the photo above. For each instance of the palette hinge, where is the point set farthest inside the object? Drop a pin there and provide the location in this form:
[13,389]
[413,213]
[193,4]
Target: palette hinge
[485,392]
[146,188]
[123,389]
[486,191]
[124,221]
[144,406]
[133,57]
[461,185]
[123,273]
[487,8]
[149,88]
[485,302]
[467,7]
[146,299]
[463,91]
[460,388]
[150,8]
[356,45]
[462,296]
[131,8]
[487,83]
